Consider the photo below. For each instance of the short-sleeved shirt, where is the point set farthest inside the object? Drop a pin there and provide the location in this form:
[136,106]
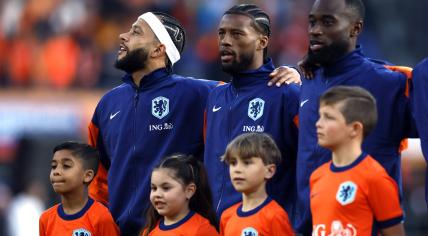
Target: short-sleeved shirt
[191,225]
[268,219]
[350,198]
[94,220]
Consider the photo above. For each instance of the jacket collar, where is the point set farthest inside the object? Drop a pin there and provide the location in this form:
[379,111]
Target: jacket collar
[153,78]
[346,63]
[250,77]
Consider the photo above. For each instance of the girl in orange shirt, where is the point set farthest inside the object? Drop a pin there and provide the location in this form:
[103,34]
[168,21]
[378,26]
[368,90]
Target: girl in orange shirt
[181,199]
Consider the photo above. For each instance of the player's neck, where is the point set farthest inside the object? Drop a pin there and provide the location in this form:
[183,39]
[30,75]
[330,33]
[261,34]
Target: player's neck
[346,154]
[252,200]
[73,202]
[169,220]
[137,76]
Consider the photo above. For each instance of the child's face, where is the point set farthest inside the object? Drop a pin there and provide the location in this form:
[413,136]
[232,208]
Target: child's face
[67,173]
[169,197]
[249,175]
[332,130]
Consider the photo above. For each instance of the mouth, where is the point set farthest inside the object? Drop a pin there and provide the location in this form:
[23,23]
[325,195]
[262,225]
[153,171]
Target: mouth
[57,183]
[159,204]
[238,180]
[122,49]
[316,45]
[226,55]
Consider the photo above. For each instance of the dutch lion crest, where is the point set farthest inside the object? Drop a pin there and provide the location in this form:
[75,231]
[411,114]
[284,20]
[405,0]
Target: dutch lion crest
[255,108]
[346,193]
[160,107]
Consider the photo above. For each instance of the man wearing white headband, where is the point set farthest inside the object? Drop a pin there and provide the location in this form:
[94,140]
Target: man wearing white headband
[152,114]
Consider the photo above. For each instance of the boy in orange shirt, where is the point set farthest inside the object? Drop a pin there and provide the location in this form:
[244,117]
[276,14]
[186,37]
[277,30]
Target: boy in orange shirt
[74,165]
[252,160]
[351,191]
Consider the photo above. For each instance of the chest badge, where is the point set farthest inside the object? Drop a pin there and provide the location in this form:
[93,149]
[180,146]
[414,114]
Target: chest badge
[160,107]
[81,232]
[255,108]
[249,231]
[346,193]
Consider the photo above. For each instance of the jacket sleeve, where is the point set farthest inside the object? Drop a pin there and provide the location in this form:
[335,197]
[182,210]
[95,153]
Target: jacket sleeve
[98,188]
[419,104]
[291,110]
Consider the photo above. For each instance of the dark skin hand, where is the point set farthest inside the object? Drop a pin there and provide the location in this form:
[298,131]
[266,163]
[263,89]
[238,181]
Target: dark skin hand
[284,75]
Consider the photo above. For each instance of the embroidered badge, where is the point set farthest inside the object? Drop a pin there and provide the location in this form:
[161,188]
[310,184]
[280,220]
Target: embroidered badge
[255,108]
[346,193]
[160,107]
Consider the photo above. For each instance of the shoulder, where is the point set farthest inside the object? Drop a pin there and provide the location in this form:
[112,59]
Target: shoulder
[372,169]
[384,71]
[422,67]
[203,226]
[273,211]
[116,92]
[99,210]
[229,212]
[51,212]
[320,171]
[190,81]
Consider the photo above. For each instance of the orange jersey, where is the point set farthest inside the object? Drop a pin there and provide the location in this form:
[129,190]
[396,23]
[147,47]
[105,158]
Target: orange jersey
[347,200]
[93,220]
[191,225]
[268,219]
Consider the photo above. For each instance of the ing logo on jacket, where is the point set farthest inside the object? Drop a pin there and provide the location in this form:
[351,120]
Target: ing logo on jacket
[255,108]
[160,107]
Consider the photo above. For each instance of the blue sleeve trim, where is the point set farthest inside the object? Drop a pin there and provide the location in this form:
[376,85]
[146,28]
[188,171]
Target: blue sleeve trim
[391,222]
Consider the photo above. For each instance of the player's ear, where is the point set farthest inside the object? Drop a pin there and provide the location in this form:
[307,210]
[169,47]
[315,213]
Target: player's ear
[357,28]
[190,190]
[262,42]
[159,50]
[356,129]
[270,170]
[88,176]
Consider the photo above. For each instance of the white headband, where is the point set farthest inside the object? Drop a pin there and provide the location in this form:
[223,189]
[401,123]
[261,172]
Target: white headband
[159,30]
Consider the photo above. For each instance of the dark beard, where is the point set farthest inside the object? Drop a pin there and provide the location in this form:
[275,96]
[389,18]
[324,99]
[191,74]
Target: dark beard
[242,65]
[135,60]
[328,55]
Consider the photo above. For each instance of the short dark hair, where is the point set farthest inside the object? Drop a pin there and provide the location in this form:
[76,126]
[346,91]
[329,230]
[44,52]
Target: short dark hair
[82,151]
[175,30]
[358,7]
[261,20]
[250,145]
[358,105]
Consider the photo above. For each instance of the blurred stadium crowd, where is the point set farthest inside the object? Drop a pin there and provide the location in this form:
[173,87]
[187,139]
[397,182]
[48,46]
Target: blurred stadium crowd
[67,45]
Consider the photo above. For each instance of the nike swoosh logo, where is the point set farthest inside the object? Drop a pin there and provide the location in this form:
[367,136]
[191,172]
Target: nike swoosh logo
[215,109]
[303,102]
[113,115]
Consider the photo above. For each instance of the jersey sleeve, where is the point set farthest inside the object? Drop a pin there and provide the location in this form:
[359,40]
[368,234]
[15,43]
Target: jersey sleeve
[98,189]
[384,201]
[280,225]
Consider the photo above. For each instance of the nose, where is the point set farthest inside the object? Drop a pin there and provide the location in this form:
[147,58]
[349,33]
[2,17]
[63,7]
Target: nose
[318,123]
[123,36]
[225,40]
[315,29]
